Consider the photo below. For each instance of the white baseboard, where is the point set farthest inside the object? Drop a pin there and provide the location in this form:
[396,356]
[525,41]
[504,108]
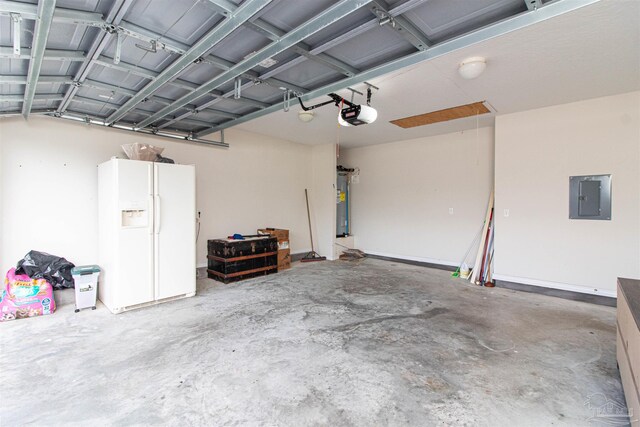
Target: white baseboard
[556,285]
[414,258]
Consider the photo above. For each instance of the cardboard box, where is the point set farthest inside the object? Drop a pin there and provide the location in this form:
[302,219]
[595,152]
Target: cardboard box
[278,233]
[284,253]
[284,259]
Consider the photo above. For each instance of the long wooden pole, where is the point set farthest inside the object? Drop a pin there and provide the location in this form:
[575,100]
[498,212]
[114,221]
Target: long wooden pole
[306,196]
[479,256]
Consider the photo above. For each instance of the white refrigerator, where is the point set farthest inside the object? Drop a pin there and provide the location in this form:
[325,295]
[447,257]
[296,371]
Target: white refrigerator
[147,247]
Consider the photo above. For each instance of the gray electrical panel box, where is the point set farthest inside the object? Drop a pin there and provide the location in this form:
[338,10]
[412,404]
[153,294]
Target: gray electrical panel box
[590,197]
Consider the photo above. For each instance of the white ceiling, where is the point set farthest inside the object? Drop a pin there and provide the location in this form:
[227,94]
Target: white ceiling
[588,53]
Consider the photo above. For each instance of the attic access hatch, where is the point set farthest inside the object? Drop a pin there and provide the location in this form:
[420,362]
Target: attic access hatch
[453,113]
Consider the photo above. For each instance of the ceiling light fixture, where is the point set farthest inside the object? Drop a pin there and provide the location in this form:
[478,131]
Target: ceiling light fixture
[471,68]
[305,116]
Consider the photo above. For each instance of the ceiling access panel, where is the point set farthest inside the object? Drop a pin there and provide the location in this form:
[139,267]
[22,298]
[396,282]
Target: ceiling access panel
[183,21]
[349,22]
[381,42]
[239,44]
[444,19]
[308,73]
[289,14]
[132,54]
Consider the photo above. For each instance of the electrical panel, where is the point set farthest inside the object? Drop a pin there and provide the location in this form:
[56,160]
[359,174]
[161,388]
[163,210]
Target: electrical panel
[590,197]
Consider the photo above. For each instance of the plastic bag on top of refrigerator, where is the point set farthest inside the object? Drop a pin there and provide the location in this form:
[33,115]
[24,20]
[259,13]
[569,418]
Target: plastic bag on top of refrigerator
[139,151]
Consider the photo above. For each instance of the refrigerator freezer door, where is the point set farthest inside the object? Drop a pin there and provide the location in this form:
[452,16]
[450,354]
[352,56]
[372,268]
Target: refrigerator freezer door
[134,230]
[175,245]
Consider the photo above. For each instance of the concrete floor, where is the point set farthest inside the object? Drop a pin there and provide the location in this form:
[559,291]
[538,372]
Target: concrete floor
[333,343]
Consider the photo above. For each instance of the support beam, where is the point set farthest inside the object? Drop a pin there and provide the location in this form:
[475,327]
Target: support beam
[22,80]
[212,38]
[154,98]
[267,29]
[179,48]
[16,20]
[533,4]
[107,62]
[274,33]
[400,24]
[129,127]
[489,32]
[40,36]
[319,22]
[39,97]
[224,7]
[10,113]
[49,54]
[406,7]
[117,12]
[60,15]
[95,102]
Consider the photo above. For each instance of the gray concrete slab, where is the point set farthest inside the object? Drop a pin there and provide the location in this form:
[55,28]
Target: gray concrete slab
[330,343]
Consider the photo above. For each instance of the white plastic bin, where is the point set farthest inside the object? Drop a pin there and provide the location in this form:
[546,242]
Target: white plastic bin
[85,278]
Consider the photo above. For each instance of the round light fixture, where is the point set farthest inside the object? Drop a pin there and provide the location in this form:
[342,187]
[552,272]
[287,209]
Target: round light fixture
[471,68]
[305,116]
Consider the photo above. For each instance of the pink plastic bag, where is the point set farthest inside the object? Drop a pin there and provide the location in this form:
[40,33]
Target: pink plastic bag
[25,297]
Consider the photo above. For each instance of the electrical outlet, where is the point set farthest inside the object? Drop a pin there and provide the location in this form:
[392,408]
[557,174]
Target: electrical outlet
[506,213]
[450,211]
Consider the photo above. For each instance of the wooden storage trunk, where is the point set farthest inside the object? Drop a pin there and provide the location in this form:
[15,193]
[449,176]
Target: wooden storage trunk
[233,260]
[284,254]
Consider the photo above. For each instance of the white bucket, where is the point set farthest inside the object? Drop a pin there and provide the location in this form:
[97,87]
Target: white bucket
[465,271]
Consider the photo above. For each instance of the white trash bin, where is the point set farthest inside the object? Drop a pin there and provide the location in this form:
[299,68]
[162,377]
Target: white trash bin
[85,278]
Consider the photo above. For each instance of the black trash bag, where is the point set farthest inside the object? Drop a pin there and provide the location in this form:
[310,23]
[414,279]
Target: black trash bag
[160,159]
[41,265]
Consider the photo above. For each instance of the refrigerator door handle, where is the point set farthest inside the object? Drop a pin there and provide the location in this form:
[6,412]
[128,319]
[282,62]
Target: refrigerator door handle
[157,214]
[151,214]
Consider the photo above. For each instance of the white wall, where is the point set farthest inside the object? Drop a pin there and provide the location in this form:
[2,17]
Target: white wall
[49,186]
[400,207]
[323,198]
[536,152]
